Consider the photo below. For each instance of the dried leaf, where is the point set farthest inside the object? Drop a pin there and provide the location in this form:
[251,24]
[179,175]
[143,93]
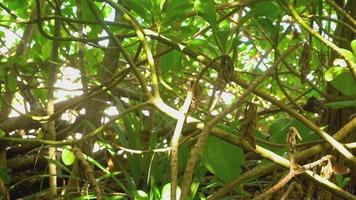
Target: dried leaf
[304,62]
[227,68]
[248,125]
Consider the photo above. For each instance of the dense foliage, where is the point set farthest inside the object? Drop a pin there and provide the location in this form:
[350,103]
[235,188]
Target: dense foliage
[168,99]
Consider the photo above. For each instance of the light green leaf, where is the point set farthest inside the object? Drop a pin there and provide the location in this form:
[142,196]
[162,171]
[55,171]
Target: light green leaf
[68,157]
[353,47]
[348,54]
[333,72]
[222,158]
[46,51]
[2,133]
[166,191]
[140,195]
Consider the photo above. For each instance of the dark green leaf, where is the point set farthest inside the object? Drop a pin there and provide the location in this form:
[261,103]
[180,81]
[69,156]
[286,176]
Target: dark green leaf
[5,174]
[341,104]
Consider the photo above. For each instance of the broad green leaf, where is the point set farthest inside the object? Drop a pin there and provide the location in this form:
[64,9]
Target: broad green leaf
[171,61]
[5,174]
[305,2]
[176,10]
[268,26]
[141,7]
[333,72]
[87,13]
[269,9]
[222,158]
[345,83]
[348,54]
[17,7]
[353,47]
[342,181]
[341,104]
[46,51]
[140,195]
[12,83]
[161,3]
[224,40]
[2,133]
[280,127]
[206,9]
[166,191]
[68,157]
[17,60]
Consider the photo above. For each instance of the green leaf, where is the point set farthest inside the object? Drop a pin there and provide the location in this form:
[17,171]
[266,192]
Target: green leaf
[171,61]
[140,195]
[68,157]
[268,26]
[305,2]
[342,181]
[46,51]
[345,83]
[269,9]
[2,133]
[166,191]
[222,158]
[206,10]
[12,83]
[333,72]
[141,7]
[278,131]
[348,54]
[341,104]
[223,37]
[17,60]
[87,13]
[353,47]
[2,74]
[5,174]
[176,10]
